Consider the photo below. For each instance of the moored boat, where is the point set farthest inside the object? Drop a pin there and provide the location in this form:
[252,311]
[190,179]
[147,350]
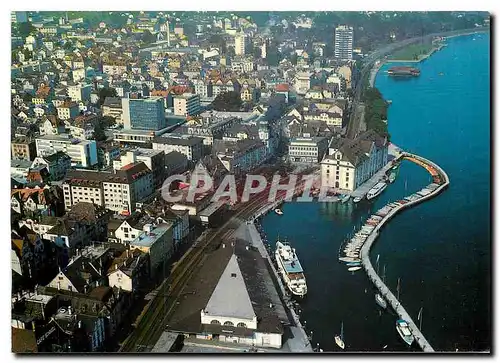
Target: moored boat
[278,211]
[376,190]
[392,177]
[404,331]
[355,268]
[345,198]
[357,199]
[380,301]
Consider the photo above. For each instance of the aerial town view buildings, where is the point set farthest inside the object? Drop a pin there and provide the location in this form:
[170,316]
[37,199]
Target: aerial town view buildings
[107,106]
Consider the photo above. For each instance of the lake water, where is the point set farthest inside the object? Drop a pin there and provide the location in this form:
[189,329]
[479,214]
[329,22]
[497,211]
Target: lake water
[441,249]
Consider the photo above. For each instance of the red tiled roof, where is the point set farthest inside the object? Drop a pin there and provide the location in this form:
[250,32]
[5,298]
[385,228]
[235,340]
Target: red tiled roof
[282,87]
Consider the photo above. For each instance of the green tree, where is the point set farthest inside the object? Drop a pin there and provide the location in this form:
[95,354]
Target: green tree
[227,101]
[99,134]
[27,97]
[106,92]
[26,29]
[107,121]
[148,37]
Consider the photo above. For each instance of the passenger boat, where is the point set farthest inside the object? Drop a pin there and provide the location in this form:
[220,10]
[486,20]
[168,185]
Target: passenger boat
[339,339]
[380,301]
[290,268]
[278,211]
[355,268]
[376,190]
[357,199]
[404,331]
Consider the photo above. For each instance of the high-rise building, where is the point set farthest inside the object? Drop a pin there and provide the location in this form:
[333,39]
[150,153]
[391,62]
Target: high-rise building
[144,113]
[239,44]
[19,16]
[343,42]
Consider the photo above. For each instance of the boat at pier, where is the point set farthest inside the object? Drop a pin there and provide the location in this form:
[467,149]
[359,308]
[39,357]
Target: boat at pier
[345,198]
[376,190]
[357,199]
[290,268]
[278,211]
[355,268]
[380,301]
[392,177]
[404,331]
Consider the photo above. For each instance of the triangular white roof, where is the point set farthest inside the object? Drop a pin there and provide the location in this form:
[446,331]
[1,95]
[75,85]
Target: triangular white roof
[230,297]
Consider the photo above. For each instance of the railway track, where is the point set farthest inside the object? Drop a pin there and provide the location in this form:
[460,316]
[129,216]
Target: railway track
[152,323]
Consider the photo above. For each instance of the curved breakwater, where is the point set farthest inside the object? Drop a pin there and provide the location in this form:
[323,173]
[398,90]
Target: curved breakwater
[435,170]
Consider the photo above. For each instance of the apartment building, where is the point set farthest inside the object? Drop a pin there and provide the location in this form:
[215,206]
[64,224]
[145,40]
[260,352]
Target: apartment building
[117,191]
[343,42]
[187,104]
[23,148]
[307,149]
[154,160]
[68,110]
[190,146]
[80,92]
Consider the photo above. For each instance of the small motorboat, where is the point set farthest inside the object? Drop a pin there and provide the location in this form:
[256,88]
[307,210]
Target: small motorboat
[345,198]
[392,177]
[357,199]
[354,268]
[380,301]
[278,211]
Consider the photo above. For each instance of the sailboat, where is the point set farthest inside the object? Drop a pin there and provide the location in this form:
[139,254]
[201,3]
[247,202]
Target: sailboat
[420,318]
[378,298]
[339,339]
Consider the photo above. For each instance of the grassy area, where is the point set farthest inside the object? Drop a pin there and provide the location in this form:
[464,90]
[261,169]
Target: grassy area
[413,51]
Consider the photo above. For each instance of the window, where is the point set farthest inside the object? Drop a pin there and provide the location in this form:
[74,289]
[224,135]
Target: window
[241,325]
[215,322]
[228,323]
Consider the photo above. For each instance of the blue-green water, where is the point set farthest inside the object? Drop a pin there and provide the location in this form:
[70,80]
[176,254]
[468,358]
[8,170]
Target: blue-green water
[439,249]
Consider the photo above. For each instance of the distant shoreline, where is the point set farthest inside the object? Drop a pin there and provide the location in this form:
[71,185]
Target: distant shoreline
[376,69]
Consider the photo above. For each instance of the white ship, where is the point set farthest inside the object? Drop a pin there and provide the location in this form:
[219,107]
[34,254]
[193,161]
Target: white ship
[404,331]
[290,268]
[376,190]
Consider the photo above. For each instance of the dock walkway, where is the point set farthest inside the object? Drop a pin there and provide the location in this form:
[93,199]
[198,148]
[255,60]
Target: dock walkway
[365,250]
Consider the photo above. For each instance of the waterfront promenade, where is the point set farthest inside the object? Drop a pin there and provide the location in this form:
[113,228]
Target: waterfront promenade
[365,250]
[395,153]
[299,343]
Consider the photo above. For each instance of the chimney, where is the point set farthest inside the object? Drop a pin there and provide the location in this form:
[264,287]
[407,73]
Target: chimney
[70,310]
[223,245]
[116,266]
[79,324]
[127,253]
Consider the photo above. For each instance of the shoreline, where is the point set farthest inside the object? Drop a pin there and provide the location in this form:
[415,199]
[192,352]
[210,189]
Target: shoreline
[374,71]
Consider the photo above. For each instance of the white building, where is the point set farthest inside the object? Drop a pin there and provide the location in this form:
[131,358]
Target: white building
[190,146]
[187,104]
[350,163]
[117,191]
[307,149]
[239,44]
[80,92]
[83,153]
[302,82]
[343,42]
